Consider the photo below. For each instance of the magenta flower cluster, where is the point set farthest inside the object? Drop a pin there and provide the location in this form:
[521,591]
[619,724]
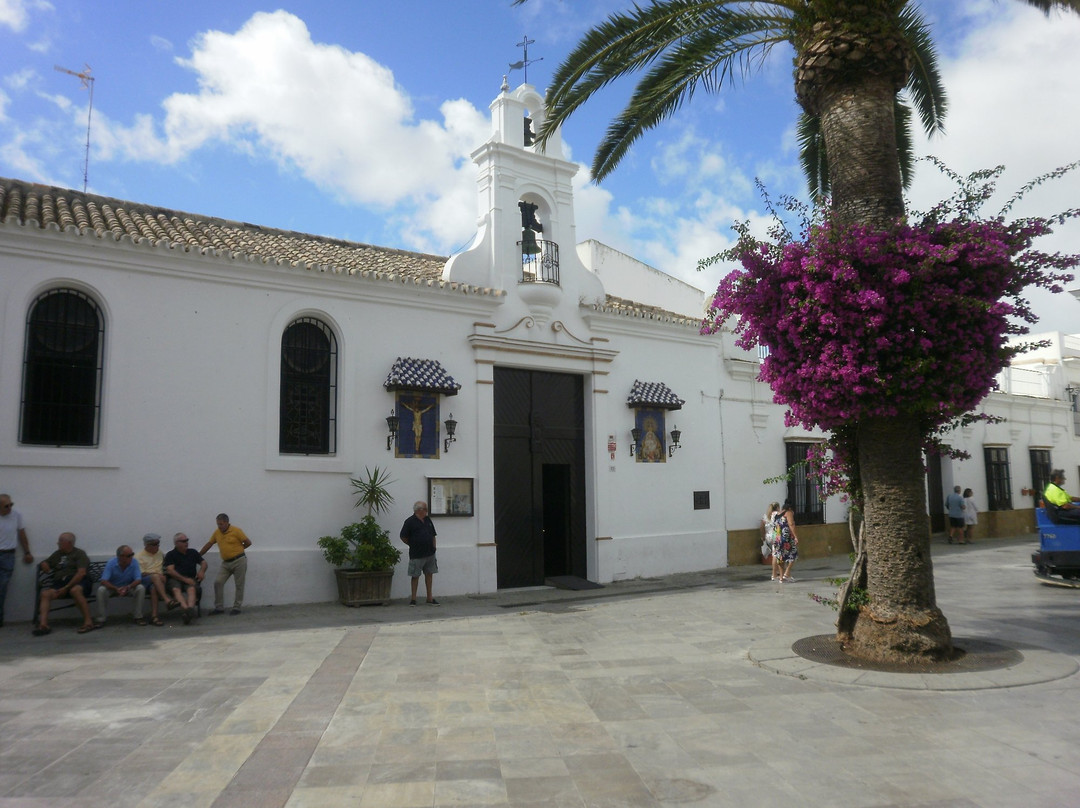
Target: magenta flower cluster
[864,323]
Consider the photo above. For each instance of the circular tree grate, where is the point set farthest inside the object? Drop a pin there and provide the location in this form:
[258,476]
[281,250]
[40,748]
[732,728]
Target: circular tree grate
[971,656]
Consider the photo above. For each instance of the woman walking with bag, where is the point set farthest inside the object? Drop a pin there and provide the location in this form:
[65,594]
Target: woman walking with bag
[971,515]
[786,546]
[768,543]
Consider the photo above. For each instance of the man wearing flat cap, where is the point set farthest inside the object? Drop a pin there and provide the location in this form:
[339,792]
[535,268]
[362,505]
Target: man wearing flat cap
[152,563]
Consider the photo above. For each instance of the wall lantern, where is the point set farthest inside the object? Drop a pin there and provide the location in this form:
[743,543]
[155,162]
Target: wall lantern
[451,428]
[392,425]
[676,433]
[635,433]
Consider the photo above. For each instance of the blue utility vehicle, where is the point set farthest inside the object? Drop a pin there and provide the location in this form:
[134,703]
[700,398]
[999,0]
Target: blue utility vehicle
[1058,558]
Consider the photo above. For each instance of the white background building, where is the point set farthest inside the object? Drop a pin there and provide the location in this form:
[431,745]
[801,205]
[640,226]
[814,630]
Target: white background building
[197,399]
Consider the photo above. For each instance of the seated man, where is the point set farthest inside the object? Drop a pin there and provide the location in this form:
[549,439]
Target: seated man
[1060,507]
[69,566]
[186,569]
[122,578]
[151,562]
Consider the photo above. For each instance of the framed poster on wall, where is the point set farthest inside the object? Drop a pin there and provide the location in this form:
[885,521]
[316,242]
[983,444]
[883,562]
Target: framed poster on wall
[450,496]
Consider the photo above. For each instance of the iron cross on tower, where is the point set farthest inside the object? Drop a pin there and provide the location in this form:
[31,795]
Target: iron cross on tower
[523,65]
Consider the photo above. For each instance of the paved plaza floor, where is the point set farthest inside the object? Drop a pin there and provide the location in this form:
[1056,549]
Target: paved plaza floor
[680,691]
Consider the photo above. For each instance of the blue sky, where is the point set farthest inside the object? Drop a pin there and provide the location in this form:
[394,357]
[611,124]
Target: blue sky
[356,119]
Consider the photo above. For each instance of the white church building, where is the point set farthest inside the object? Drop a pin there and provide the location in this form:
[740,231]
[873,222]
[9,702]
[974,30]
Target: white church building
[554,401]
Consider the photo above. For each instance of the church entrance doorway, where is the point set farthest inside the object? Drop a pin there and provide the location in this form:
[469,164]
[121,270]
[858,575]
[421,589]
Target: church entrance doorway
[539,476]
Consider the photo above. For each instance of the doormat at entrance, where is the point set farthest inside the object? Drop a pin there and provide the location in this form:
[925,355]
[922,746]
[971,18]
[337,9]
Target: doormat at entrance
[571,582]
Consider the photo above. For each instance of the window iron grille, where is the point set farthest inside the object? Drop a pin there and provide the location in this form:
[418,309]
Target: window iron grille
[803,488]
[998,481]
[62,371]
[1040,471]
[308,411]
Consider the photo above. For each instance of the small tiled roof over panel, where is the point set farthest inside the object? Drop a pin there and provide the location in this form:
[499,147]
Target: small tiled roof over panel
[66,210]
[425,375]
[653,394]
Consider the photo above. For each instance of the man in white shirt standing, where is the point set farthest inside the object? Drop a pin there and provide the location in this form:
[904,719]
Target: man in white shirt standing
[12,532]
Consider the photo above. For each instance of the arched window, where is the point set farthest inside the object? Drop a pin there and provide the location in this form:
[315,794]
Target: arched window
[62,365]
[308,388]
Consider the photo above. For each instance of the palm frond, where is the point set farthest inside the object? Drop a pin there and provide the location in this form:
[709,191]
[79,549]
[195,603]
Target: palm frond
[1046,6]
[904,148]
[812,157]
[663,90]
[687,43]
[924,86]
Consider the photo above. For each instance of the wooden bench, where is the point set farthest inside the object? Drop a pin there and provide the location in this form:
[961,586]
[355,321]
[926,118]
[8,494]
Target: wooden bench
[45,580]
[90,583]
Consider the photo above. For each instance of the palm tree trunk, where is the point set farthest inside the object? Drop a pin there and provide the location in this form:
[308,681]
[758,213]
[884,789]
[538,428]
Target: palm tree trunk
[864,170]
[901,623]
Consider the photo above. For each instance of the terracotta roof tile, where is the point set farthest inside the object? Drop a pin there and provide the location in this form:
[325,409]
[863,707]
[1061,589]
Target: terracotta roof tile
[33,205]
[630,308]
[30,204]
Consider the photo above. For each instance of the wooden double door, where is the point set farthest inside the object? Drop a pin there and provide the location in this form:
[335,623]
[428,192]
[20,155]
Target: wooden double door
[539,476]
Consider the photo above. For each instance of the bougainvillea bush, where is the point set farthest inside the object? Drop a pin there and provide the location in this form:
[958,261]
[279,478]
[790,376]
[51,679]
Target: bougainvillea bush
[862,322]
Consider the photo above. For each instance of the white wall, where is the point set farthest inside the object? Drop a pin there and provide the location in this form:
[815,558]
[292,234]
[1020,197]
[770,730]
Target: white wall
[647,515]
[626,277]
[189,424]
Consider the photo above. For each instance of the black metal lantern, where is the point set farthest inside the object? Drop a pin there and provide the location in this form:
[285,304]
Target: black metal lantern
[451,428]
[392,425]
[676,433]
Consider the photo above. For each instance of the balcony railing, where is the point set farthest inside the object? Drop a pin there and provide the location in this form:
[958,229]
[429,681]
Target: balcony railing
[541,266]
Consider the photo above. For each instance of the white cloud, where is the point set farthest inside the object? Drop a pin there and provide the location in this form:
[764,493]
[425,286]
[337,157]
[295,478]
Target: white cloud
[592,211]
[694,160]
[336,116]
[20,79]
[22,163]
[14,14]
[1013,102]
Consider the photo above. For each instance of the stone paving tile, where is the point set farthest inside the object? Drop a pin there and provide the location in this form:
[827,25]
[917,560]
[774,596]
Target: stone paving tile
[242,797]
[480,792]
[331,776]
[405,772]
[398,795]
[542,790]
[644,701]
[468,770]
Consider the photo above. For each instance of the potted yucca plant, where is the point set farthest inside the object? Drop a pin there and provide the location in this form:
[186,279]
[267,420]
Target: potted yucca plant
[363,554]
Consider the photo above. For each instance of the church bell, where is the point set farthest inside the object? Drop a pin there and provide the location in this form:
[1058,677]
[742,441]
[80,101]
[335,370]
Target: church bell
[529,245]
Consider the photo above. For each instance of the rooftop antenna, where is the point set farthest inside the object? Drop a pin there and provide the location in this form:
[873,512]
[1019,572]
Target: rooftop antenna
[87,84]
[526,61]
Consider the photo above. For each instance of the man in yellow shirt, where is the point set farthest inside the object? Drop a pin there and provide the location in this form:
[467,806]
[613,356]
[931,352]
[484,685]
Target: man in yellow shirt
[231,542]
[1060,507]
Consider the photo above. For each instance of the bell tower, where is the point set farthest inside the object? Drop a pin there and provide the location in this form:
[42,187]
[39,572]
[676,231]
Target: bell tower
[525,241]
